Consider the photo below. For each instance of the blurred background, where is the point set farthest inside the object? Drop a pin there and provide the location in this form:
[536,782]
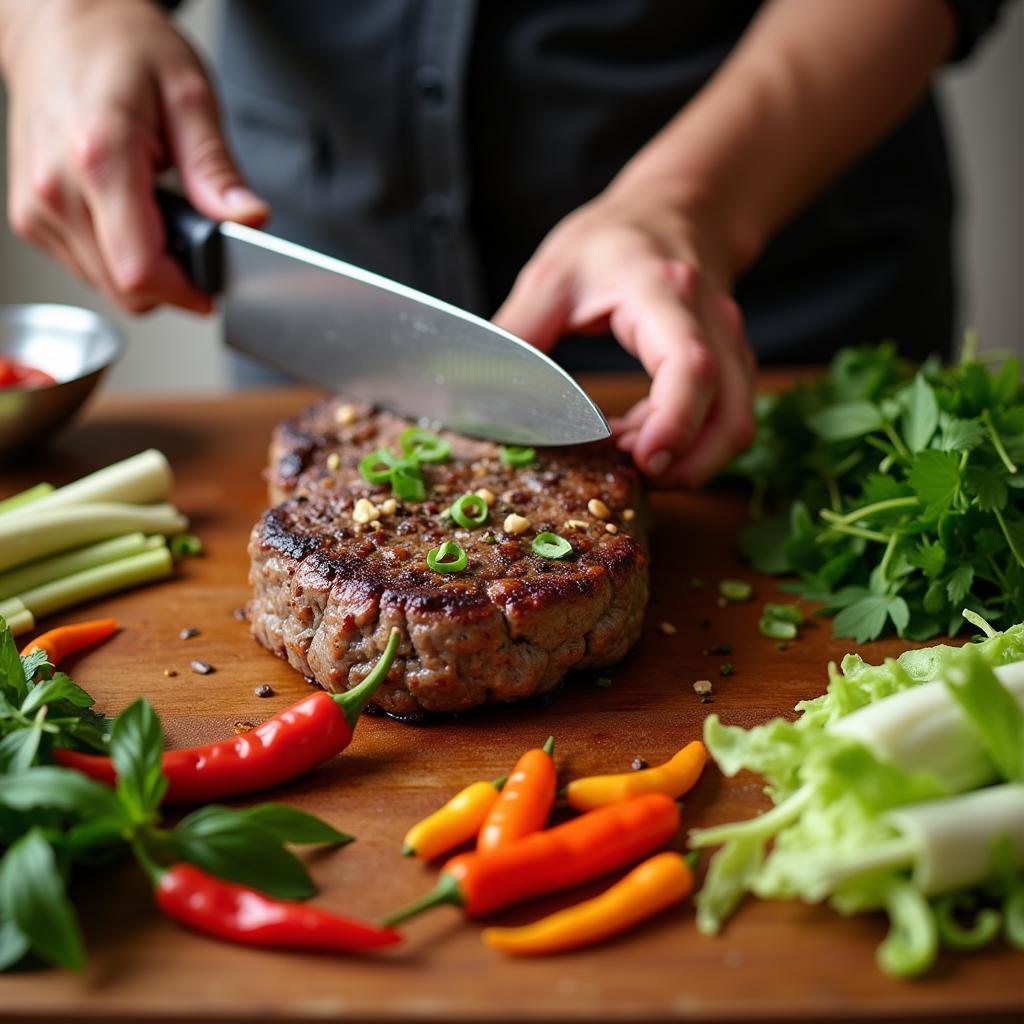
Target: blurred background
[171,351]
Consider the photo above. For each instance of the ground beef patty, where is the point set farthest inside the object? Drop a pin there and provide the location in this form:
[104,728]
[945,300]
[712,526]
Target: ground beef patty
[327,589]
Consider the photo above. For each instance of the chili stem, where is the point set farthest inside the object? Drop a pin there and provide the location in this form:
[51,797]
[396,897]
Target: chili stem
[446,891]
[353,702]
[549,746]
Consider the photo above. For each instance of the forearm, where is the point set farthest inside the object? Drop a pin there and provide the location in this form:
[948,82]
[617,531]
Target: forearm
[811,86]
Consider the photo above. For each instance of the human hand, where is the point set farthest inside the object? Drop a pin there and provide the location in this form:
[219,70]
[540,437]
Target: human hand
[103,95]
[633,263]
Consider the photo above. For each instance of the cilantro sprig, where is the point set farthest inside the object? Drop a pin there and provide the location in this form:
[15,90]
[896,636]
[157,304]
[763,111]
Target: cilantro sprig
[55,821]
[895,494]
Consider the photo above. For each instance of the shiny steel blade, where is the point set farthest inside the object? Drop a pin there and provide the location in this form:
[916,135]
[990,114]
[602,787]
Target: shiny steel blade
[347,329]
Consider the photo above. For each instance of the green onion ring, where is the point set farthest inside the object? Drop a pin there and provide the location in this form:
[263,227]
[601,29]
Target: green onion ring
[984,927]
[448,557]
[462,511]
[513,455]
[370,466]
[424,445]
[550,545]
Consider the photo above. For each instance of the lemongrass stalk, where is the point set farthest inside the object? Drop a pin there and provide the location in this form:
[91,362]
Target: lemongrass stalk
[11,607]
[154,564]
[141,479]
[35,574]
[25,497]
[61,529]
[20,622]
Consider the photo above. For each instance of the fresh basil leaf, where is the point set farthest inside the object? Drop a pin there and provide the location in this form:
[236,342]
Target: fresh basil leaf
[845,421]
[291,825]
[228,844]
[935,478]
[36,664]
[920,414]
[137,748]
[57,788]
[13,944]
[18,749]
[33,897]
[12,674]
[60,687]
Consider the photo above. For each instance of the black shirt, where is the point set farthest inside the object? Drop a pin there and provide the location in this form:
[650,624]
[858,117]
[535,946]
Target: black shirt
[438,141]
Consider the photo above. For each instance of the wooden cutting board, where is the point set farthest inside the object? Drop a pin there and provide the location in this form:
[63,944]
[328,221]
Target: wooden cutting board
[775,962]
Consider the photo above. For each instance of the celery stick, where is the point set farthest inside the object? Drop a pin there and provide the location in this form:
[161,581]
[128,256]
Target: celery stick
[19,622]
[25,497]
[35,574]
[141,479]
[127,572]
[11,607]
[51,530]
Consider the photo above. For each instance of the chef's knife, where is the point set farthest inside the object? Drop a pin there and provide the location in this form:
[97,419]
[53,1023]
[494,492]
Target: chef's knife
[344,328]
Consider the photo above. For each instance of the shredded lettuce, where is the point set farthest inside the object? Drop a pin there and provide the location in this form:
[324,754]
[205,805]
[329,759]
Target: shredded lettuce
[829,835]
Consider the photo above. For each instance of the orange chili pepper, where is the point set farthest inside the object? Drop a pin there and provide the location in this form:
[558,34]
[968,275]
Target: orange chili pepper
[569,854]
[657,884]
[673,778]
[64,640]
[526,801]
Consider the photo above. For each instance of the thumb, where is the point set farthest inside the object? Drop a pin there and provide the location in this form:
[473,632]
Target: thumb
[538,307]
[211,180]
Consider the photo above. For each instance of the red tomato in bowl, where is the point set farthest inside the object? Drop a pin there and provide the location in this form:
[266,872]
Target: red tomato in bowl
[17,375]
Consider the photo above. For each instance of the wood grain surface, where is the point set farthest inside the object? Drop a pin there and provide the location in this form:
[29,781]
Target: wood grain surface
[775,961]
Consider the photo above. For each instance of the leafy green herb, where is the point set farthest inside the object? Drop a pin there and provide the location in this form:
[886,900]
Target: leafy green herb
[893,493]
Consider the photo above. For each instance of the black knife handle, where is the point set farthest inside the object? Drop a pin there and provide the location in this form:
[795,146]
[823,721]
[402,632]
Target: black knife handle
[193,240]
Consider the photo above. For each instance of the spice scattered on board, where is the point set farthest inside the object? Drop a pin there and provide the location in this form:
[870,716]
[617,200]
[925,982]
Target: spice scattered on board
[201,668]
[264,690]
[188,633]
[667,628]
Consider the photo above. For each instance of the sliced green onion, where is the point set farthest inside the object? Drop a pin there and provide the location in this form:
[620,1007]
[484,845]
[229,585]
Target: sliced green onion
[550,545]
[785,613]
[376,467]
[513,455]
[18,621]
[408,483]
[777,629]
[981,932]
[735,591]
[470,511]
[449,557]
[185,545]
[909,948]
[25,497]
[424,445]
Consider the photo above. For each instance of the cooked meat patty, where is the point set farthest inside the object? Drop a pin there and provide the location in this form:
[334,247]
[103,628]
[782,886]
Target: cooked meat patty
[332,574]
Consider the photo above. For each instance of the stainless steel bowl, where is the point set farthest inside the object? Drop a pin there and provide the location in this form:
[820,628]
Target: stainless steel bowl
[75,346]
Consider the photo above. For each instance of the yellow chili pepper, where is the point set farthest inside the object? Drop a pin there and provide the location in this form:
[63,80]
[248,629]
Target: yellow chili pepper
[654,886]
[457,822]
[673,778]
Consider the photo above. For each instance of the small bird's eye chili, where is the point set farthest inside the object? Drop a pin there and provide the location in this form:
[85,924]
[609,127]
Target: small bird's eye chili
[569,854]
[447,557]
[290,744]
[470,511]
[550,545]
[424,445]
[64,640]
[525,803]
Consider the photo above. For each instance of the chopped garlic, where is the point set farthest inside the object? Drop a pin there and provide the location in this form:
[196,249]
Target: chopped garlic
[667,628]
[345,415]
[516,524]
[610,528]
[486,496]
[365,511]
[596,507]
[577,524]
[333,461]
[628,515]
[388,507]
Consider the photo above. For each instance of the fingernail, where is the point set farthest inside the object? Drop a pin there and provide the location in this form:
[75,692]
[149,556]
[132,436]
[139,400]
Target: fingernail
[241,200]
[658,463]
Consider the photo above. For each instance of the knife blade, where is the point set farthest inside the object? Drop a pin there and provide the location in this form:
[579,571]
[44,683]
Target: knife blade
[344,328]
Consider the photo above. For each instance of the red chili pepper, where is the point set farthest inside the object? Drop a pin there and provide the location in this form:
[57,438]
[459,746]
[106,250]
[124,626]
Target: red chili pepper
[569,854]
[238,914]
[282,748]
[525,802]
[64,640]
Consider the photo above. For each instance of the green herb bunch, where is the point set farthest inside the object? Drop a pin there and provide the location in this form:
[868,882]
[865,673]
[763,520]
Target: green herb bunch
[896,494]
[55,821]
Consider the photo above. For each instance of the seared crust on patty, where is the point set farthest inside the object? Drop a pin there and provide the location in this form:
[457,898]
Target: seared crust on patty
[327,589]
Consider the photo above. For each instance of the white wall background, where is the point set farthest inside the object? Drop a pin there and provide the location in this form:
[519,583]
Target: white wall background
[171,351]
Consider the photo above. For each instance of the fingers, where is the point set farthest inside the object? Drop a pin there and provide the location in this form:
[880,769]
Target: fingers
[212,181]
[538,307]
[115,162]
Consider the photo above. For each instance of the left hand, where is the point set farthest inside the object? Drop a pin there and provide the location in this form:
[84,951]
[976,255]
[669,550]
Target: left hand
[641,268]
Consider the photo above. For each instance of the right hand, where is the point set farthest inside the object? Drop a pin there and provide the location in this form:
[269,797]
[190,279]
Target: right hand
[104,94]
